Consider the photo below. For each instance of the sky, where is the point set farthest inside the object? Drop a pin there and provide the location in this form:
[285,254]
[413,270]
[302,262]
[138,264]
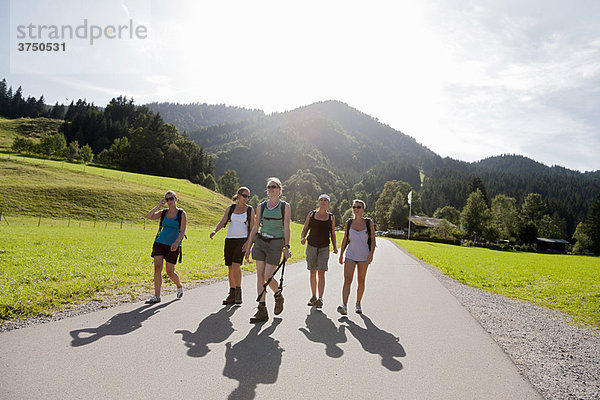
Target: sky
[467,79]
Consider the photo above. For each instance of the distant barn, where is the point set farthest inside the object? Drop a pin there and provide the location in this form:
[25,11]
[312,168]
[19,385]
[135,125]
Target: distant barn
[551,245]
[421,224]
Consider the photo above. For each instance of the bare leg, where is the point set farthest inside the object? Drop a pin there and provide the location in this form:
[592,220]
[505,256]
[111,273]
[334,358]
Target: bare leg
[158,266]
[313,282]
[260,277]
[362,275]
[173,275]
[321,282]
[235,275]
[348,277]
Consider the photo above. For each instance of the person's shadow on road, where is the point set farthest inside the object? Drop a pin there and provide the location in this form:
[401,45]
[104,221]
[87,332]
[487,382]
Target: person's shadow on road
[215,328]
[253,360]
[320,329]
[120,324]
[378,341]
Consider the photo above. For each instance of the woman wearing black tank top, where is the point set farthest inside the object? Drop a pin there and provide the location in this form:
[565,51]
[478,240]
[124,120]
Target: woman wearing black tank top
[321,225]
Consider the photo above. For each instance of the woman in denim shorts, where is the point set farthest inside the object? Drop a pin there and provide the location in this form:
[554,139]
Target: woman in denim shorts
[167,244]
[241,220]
[268,244]
[320,226]
[359,244]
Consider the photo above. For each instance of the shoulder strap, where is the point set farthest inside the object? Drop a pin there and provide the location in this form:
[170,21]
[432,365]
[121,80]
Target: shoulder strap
[231,209]
[368,223]
[248,216]
[348,224]
[263,205]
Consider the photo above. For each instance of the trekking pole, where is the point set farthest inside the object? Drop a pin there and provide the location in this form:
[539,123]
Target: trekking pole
[281,265]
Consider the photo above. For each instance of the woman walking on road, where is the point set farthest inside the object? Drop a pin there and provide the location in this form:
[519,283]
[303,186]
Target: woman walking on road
[241,216]
[359,241]
[320,226]
[273,218]
[167,245]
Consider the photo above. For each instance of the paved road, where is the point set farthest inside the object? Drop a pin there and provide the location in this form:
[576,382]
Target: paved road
[414,341]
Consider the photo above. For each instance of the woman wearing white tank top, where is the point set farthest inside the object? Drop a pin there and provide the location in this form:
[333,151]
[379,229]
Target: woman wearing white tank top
[240,216]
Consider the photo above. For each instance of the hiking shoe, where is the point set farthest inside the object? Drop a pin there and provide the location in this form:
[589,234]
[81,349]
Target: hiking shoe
[278,303]
[153,300]
[319,303]
[238,295]
[180,292]
[261,315]
[230,298]
[342,309]
[358,308]
[312,301]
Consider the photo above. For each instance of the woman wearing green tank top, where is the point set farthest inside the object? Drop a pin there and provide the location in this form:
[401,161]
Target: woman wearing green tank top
[267,245]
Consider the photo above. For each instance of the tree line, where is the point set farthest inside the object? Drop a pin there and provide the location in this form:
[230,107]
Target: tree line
[122,135]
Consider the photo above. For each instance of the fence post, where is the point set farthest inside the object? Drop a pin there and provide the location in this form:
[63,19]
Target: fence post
[69,222]
[121,223]
[40,220]
[94,222]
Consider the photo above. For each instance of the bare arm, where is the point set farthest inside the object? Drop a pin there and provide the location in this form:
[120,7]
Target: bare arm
[333,237]
[255,225]
[221,223]
[156,211]
[175,244]
[344,244]
[305,229]
[370,259]
[286,231]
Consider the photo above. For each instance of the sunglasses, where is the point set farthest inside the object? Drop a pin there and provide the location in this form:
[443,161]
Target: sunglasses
[357,207]
[170,198]
[244,195]
[272,187]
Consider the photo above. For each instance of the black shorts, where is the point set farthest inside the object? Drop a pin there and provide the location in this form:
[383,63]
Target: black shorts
[159,249]
[233,251]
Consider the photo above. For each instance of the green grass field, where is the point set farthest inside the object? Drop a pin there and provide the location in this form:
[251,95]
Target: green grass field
[567,283]
[47,268]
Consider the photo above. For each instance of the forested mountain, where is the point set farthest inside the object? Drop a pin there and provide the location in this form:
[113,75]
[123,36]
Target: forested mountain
[191,117]
[567,193]
[326,136]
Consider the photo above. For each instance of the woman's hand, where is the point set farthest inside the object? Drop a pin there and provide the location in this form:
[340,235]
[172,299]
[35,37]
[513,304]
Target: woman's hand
[162,202]
[212,234]
[335,250]
[175,245]
[286,253]
[341,258]
[303,241]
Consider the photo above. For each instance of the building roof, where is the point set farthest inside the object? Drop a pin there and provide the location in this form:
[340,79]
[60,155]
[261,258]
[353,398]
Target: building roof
[546,240]
[428,222]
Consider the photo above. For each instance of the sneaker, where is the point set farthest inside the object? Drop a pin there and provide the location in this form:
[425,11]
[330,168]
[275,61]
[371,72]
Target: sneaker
[153,300]
[342,309]
[319,303]
[358,308]
[180,292]
[278,303]
[312,301]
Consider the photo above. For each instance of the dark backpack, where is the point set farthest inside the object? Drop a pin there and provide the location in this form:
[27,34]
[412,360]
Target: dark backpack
[160,226]
[367,222]
[248,214]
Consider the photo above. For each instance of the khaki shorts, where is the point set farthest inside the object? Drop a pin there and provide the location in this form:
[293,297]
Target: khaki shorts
[268,251]
[317,257]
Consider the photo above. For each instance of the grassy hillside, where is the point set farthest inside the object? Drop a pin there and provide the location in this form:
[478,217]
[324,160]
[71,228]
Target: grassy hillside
[55,265]
[61,190]
[32,128]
